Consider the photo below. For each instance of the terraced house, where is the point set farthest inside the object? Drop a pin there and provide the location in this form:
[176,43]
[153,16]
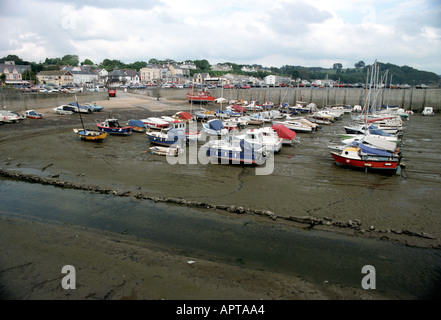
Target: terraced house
[14,73]
[56,77]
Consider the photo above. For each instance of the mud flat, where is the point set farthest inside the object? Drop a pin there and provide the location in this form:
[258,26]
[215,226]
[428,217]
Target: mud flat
[305,190]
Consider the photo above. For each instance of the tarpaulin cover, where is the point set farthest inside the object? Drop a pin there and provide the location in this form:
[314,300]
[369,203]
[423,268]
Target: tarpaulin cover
[283,132]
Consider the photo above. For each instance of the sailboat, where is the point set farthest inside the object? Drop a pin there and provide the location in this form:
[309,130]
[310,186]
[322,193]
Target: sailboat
[374,155]
[87,134]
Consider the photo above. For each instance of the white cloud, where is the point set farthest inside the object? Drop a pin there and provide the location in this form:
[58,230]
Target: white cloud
[276,33]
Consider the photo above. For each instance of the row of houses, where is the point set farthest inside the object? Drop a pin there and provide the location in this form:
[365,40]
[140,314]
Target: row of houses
[152,73]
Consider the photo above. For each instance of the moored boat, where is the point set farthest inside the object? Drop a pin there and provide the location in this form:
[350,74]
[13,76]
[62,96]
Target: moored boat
[112,126]
[167,151]
[232,150]
[202,97]
[31,114]
[90,135]
[360,156]
[136,125]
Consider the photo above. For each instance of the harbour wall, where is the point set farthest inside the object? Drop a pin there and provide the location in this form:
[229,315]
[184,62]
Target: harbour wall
[409,99]
[19,101]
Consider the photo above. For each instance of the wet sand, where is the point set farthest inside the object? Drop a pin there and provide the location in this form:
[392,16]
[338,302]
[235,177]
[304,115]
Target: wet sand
[305,183]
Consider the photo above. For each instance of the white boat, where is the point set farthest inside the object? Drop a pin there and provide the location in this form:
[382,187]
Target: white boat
[7,116]
[167,151]
[428,111]
[233,150]
[295,125]
[288,136]
[155,123]
[214,127]
[264,136]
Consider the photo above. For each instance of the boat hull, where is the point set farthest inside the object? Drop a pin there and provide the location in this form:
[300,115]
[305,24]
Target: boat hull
[370,163]
[90,135]
[124,131]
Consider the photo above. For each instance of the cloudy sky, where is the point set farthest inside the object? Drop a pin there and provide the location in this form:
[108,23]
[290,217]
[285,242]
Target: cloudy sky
[270,33]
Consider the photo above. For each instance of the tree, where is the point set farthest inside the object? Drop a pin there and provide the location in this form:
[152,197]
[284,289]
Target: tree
[359,65]
[70,60]
[2,78]
[202,65]
[337,66]
[87,62]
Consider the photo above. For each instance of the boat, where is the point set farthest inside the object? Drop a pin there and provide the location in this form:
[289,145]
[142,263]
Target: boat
[155,123]
[87,134]
[360,156]
[136,125]
[167,136]
[203,97]
[232,125]
[214,127]
[286,134]
[112,126]
[266,137]
[64,109]
[167,151]
[295,125]
[90,135]
[184,116]
[7,116]
[300,108]
[428,111]
[232,150]
[204,114]
[31,114]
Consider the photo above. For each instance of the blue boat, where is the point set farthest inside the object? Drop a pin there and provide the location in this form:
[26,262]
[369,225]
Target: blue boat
[167,137]
[137,125]
[112,126]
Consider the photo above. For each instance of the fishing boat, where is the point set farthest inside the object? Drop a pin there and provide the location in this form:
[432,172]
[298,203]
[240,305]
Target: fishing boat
[203,97]
[31,114]
[167,151]
[286,134]
[232,150]
[360,156]
[136,125]
[214,127]
[112,126]
[167,136]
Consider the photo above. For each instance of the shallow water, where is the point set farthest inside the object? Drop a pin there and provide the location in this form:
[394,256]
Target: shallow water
[320,257]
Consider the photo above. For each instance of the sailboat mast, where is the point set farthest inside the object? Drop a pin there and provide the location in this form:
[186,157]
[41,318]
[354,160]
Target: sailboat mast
[79,112]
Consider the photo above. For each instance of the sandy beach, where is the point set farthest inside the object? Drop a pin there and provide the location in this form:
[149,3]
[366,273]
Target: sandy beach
[115,266]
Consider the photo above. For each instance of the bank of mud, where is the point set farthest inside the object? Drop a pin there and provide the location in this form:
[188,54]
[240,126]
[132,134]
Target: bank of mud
[304,189]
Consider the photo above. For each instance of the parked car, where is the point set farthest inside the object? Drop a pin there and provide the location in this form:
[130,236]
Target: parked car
[94,107]
[81,108]
[65,109]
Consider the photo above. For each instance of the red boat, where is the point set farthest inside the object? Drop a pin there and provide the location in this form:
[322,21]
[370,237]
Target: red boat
[202,97]
[362,157]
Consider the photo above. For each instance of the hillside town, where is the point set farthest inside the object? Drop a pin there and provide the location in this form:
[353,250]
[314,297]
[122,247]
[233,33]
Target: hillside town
[168,75]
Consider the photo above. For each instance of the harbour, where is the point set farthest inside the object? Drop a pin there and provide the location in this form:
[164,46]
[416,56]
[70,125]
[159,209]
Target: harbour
[396,213]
